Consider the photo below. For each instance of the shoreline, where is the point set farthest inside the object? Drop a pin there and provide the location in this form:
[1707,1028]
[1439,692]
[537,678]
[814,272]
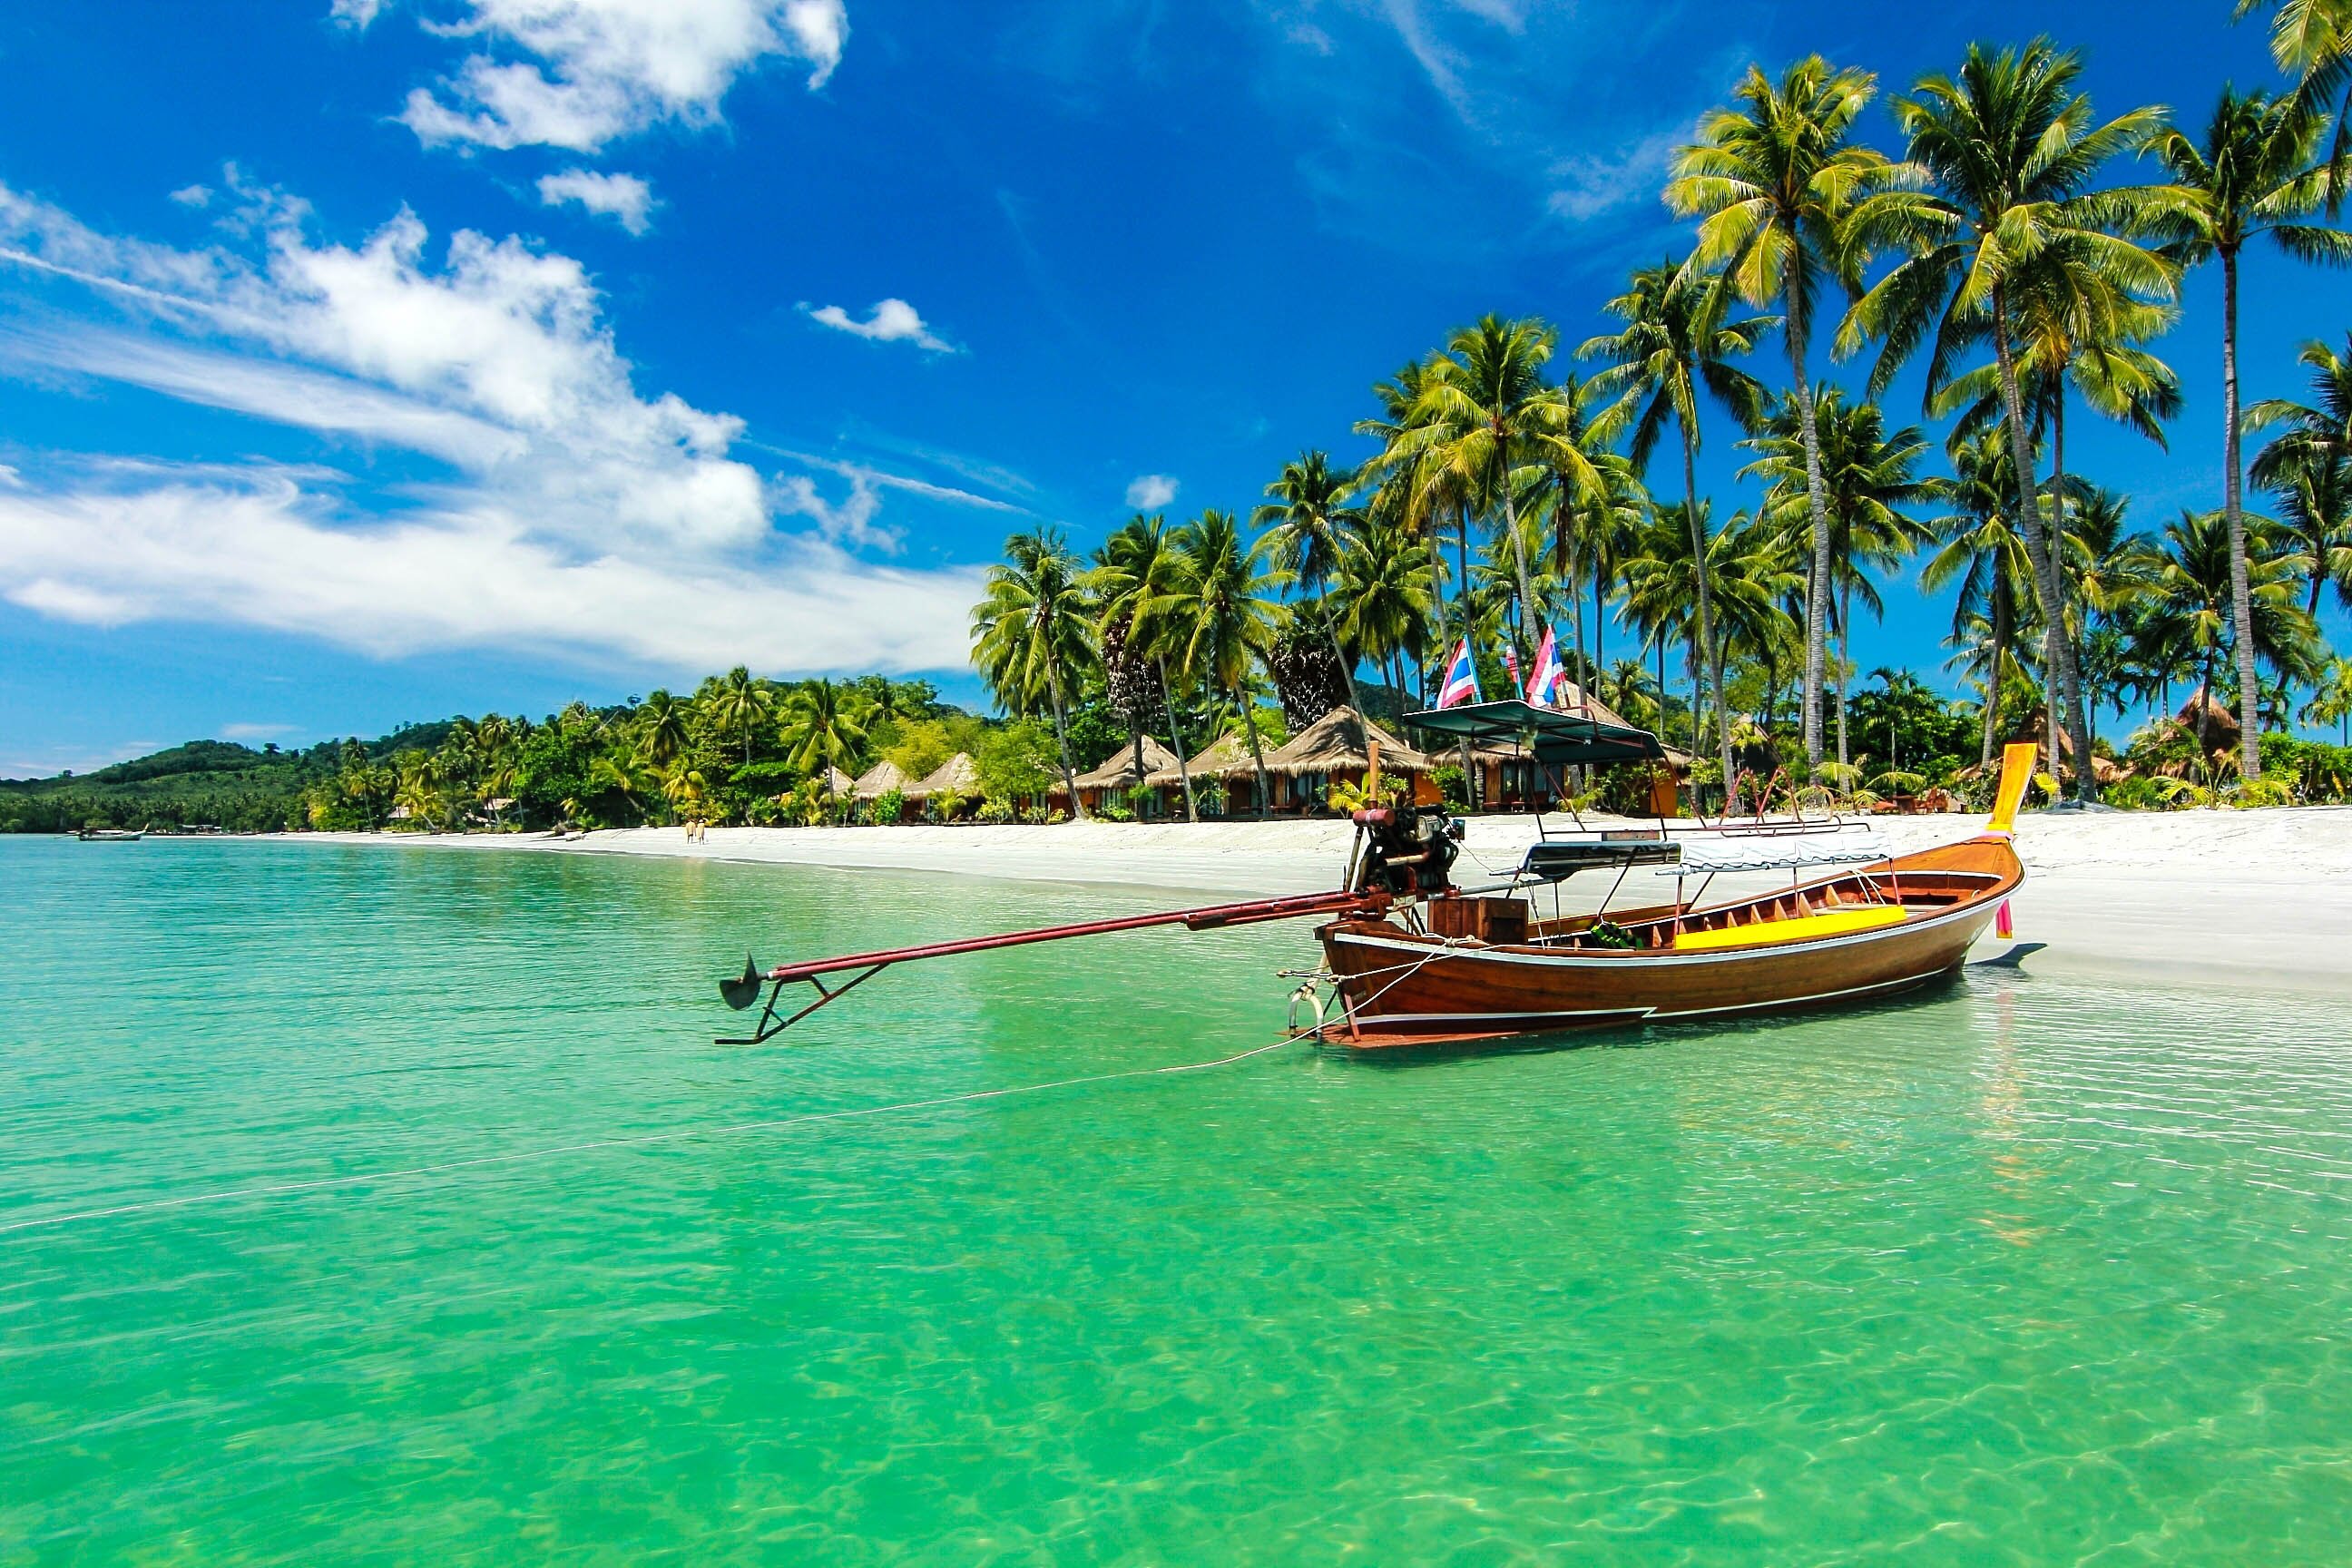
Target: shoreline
[2235,900]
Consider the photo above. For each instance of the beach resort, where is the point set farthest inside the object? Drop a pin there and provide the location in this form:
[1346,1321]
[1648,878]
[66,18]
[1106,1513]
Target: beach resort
[1450,782]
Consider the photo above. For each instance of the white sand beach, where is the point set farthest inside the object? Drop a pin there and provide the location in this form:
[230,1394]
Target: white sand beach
[2252,899]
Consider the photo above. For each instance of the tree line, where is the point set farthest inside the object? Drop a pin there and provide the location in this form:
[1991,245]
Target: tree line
[2026,253]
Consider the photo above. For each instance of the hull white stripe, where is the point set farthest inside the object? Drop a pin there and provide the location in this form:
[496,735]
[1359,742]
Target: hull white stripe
[1371,1023]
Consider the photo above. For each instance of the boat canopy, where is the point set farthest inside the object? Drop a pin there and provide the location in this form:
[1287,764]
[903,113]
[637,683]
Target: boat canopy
[1554,736]
[1765,855]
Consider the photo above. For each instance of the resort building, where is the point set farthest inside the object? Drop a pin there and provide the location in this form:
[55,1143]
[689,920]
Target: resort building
[952,789]
[1117,782]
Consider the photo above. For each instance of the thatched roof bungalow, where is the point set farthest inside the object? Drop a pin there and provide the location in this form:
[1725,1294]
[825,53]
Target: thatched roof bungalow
[1223,764]
[1336,747]
[958,776]
[878,781]
[1116,777]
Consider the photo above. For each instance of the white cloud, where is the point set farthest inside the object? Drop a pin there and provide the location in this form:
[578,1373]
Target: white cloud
[889,321]
[267,555]
[578,516]
[622,196]
[193,195]
[356,14]
[603,68]
[282,394]
[1150,493]
[848,521]
[1588,185]
[10,477]
[255,731]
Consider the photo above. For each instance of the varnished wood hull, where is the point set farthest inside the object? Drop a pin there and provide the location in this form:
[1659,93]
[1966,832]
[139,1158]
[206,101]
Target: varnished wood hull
[1398,987]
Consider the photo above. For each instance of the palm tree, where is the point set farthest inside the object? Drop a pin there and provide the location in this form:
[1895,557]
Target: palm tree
[1858,478]
[2078,329]
[1399,494]
[739,703]
[1983,551]
[1490,427]
[1311,530]
[824,727]
[1676,343]
[1996,172]
[2309,466]
[1221,602]
[1748,570]
[1032,635]
[2256,173]
[1136,572]
[1775,180]
[1390,595]
[2312,39]
[661,728]
[2331,701]
[2191,603]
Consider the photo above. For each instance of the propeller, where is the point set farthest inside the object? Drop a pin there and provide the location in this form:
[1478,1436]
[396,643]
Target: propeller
[741,993]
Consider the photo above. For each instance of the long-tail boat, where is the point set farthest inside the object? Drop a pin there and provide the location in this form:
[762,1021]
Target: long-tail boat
[1412,959]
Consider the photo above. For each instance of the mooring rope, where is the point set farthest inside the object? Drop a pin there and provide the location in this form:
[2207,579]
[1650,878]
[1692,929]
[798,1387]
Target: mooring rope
[524,1156]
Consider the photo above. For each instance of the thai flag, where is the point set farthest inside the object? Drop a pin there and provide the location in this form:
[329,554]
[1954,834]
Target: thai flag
[1548,671]
[1461,680]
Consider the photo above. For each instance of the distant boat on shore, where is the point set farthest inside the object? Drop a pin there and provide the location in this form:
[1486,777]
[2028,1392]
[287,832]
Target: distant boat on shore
[111,834]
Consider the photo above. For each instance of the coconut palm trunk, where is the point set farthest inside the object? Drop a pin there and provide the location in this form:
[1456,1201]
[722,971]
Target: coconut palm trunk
[1347,668]
[1175,741]
[1257,755]
[1817,591]
[1844,631]
[1062,738]
[2241,602]
[1528,618]
[2000,629]
[1714,654]
[2059,649]
[2058,518]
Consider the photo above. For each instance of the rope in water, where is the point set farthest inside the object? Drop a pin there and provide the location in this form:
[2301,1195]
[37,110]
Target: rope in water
[283,1189]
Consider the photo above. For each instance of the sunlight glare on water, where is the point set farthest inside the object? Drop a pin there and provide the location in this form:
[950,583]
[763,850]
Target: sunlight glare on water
[2026,1271]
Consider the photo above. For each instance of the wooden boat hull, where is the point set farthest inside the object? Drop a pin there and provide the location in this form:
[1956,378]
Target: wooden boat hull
[1400,988]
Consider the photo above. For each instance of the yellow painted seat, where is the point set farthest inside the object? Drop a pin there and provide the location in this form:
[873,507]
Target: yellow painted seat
[1800,928]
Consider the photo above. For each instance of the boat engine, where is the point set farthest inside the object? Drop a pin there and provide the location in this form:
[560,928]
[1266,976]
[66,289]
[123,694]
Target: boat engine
[1408,851]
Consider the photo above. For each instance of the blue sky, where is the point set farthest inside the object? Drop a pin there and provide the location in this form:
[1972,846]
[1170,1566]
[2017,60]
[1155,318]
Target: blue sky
[363,361]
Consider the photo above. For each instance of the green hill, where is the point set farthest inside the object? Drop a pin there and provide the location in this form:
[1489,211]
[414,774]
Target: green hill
[215,784]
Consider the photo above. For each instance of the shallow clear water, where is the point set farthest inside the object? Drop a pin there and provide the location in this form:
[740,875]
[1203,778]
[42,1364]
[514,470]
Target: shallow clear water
[2029,1271]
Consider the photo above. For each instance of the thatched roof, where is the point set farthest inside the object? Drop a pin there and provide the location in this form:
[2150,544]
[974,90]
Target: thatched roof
[1118,770]
[2219,725]
[1575,699]
[878,781]
[1336,742]
[1228,756]
[837,782]
[958,775]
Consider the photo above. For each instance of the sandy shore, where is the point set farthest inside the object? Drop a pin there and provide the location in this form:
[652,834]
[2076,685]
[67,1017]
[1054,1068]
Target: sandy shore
[2253,898]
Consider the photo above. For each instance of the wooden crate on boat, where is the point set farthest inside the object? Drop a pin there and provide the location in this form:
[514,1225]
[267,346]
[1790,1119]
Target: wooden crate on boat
[1498,921]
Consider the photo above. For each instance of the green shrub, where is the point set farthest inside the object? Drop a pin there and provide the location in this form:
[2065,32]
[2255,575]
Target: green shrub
[889,805]
[2268,789]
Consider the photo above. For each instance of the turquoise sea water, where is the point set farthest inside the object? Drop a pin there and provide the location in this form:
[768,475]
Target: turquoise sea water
[2028,1272]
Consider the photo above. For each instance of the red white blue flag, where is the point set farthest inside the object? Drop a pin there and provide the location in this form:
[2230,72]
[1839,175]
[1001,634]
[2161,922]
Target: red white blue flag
[1548,673]
[1461,680]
